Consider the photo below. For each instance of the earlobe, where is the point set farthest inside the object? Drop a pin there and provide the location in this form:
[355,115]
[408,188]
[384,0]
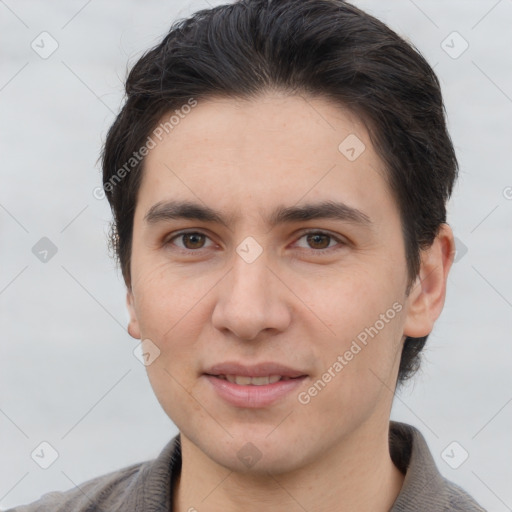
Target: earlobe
[133,324]
[427,295]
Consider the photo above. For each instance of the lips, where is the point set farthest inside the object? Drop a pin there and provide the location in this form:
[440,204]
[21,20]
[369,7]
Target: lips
[253,385]
[256,374]
[243,380]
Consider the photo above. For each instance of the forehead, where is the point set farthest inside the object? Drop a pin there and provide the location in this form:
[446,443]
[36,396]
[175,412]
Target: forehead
[270,124]
[251,155]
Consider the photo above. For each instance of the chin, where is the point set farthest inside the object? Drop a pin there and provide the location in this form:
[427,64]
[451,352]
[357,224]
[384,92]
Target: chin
[251,460]
[254,451]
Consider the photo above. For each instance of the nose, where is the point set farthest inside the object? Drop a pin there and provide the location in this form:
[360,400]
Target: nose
[251,299]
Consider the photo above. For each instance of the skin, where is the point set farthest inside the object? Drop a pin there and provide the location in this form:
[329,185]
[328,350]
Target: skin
[297,304]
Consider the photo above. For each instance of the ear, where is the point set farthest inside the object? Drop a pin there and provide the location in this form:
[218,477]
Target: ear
[427,295]
[133,324]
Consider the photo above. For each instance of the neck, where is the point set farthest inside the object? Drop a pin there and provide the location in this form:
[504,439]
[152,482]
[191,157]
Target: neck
[357,474]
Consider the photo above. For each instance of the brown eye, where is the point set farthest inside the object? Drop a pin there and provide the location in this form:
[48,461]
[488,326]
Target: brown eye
[320,242]
[191,241]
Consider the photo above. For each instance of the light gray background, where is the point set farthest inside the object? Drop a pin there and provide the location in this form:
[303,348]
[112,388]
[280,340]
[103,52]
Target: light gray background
[68,375]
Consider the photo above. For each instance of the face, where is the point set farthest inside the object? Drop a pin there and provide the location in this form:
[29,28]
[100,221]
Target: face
[291,266]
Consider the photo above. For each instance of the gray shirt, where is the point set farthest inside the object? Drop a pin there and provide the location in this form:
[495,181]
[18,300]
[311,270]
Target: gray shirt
[147,486]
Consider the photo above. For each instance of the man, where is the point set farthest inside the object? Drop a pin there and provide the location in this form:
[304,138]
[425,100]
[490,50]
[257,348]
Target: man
[278,177]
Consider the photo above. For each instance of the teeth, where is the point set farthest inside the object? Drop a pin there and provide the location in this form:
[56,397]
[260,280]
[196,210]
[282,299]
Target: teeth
[242,380]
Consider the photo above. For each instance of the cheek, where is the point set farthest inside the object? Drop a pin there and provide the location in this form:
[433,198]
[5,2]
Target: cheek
[172,315]
[347,301]
[364,316]
[167,301]
[172,384]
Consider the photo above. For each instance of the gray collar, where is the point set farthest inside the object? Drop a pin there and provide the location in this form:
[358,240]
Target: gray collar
[424,488]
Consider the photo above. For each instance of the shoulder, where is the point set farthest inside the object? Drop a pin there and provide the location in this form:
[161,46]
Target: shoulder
[424,487]
[458,500]
[137,487]
[98,494]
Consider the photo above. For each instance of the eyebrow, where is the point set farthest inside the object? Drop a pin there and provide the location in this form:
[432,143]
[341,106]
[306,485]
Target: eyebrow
[170,210]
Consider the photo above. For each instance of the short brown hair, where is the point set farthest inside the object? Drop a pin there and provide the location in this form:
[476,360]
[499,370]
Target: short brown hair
[323,48]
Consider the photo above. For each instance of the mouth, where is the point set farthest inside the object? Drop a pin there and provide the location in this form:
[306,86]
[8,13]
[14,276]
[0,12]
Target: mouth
[233,370]
[253,386]
[244,380]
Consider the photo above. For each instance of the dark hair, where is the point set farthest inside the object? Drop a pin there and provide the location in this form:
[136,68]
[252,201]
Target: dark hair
[326,48]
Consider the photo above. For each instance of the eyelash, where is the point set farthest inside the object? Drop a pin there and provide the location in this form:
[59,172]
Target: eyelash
[313,232]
